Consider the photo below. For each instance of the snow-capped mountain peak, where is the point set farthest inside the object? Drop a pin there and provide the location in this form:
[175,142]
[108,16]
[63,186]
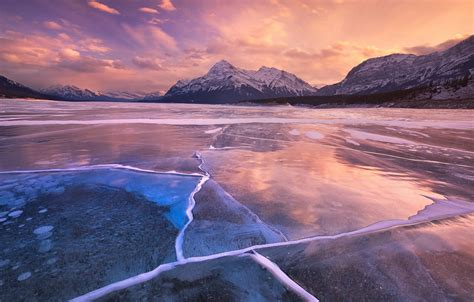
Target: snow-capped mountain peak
[405,71]
[70,92]
[221,67]
[224,82]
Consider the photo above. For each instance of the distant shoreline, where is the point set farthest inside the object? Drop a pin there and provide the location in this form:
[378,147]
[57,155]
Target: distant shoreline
[310,104]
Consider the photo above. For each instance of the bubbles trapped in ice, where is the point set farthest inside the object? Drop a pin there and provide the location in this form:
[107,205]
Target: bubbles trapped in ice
[45,246]
[15,214]
[4,262]
[24,276]
[43,229]
[43,232]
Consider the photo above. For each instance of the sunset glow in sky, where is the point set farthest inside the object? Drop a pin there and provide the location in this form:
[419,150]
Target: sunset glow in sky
[147,45]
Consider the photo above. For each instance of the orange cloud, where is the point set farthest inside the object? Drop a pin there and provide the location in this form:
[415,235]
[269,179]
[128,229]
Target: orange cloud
[167,5]
[148,10]
[103,7]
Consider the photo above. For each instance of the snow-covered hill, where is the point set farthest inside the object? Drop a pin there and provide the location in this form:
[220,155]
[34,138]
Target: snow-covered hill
[404,71]
[12,89]
[225,83]
[74,93]
[123,95]
[71,92]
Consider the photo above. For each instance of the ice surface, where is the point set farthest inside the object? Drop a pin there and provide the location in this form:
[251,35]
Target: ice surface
[377,137]
[294,132]
[213,131]
[379,209]
[314,135]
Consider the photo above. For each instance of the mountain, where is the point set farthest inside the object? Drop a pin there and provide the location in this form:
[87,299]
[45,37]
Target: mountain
[12,89]
[74,93]
[405,71]
[151,96]
[225,83]
[70,92]
[123,95]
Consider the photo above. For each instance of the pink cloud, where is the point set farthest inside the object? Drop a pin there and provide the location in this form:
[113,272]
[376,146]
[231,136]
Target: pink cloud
[103,7]
[150,36]
[147,63]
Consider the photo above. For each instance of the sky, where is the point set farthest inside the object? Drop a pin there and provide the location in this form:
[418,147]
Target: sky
[147,45]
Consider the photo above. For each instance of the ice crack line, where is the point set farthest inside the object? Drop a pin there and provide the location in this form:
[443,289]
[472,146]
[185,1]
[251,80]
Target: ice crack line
[457,209]
[102,166]
[282,277]
[189,211]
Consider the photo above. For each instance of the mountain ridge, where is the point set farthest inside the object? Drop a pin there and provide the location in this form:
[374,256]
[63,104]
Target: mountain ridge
[226,83]
[405,71]
[446,74]
[74,93]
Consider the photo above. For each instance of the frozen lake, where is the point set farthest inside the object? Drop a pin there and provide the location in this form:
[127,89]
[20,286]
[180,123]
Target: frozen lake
[124,201]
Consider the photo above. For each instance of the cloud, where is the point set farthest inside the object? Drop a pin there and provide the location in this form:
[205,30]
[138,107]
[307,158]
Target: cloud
[93,45]
[69,53]
[103,7]
[41,52]
[156,21]
[88,64]
[167,5]
[150,37]
[52,25]
[147,63]
[148,10]
[64,36]
[427,49]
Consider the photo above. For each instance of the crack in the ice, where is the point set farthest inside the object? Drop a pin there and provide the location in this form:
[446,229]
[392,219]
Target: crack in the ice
[101,166]
[189,210]
[281,276]
[461,208]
